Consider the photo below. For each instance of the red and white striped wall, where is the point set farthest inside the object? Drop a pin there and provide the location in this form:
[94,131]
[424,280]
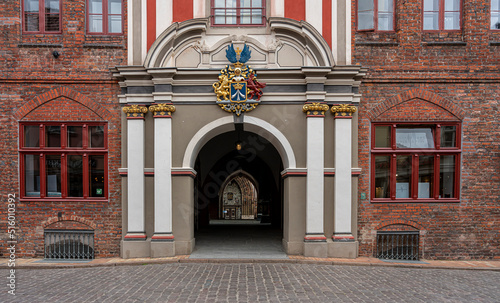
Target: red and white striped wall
[147,19]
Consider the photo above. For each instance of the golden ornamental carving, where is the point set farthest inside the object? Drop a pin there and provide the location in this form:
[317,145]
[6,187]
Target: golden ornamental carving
[315,109]
[343,110]
[135,111]
[162,109]
[238,89]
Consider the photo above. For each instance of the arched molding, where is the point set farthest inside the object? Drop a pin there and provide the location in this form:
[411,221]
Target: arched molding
[39,100]
[193,33]
[252,124]
[53,220]
[234,175]
[417,93]
[400,222]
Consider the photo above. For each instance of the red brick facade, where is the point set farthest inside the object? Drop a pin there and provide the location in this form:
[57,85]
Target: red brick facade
[76,86]
[435,76]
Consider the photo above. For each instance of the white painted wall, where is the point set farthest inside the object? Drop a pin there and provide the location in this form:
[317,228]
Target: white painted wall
[315,175]
[343,190]
[135,178]
[163,175]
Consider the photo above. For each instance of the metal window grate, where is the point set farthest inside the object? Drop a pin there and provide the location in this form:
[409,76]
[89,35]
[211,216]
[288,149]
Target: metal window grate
[69,244]
[394,245]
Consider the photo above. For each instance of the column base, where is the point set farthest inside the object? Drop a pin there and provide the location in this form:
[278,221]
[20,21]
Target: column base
[316,249]
[343,249]
[184,247]
[161,249]
[293,248]
[135,249]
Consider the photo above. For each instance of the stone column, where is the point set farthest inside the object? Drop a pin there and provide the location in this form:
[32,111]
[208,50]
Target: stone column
[344,245]
[162,241]
[315,240]
[134,241]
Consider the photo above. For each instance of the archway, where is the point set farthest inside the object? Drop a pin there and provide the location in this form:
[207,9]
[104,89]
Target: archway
[238,196]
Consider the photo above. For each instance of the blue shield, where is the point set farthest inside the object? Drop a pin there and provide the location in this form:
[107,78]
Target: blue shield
[238,91]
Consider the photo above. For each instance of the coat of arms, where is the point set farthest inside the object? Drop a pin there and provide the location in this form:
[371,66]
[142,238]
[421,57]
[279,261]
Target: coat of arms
[238,89]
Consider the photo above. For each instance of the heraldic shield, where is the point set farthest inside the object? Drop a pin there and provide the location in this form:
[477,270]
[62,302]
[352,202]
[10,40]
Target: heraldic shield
[238,89]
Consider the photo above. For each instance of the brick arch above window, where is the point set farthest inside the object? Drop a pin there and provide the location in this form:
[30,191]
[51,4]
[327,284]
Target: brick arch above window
[53,220]
[416,93]
[399,222]
[62,92]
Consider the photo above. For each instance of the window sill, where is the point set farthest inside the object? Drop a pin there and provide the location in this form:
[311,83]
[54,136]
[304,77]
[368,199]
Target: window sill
[400,201]
[39,45]
[98,45]
[55,199]
[444,43]
[495,43]
[377,43]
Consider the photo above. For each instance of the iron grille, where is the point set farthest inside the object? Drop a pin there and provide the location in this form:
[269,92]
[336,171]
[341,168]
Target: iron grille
[69,244]
[400,245]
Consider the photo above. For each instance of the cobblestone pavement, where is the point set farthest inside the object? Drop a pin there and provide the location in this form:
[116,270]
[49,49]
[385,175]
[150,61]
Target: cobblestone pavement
[256,282]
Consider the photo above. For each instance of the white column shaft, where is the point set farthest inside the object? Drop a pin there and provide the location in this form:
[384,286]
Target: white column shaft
[314,14]
[135,177]
[315,175]
[343,175]
[163,175]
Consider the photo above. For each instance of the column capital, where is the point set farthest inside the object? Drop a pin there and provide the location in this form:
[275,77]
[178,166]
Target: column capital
[162,110]
[135,111]
[315,109]
[343,110]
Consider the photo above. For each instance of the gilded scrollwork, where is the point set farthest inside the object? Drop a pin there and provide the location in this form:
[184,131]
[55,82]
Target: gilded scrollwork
[162,109]
[343,110]
[315,109]
[135,111]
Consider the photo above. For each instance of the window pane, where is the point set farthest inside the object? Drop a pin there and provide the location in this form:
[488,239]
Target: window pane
[52,136]
[495,20]
[31,136]
[385,21]
[75,136]
[231,16]
[230,3]
[245,16]
[403,176]
[365,20]
[451,5]
[219,3]
[220,18]
[53,175]
[451,20]
[95,24]
[431,5]
[447,176]
[385,5]
[51,6]
[245,3]
[96,136]
[382,171]
[32,175]
[425,176]
[52,23]
[115,24]
[75,176]
[96,176]
[256,3]
[365,5]
[448,136]
[414,138]
[495,5]
[31,6]
[95,6]
[115,7]
[383,136]
[256,16]
[431,21]
[32,23]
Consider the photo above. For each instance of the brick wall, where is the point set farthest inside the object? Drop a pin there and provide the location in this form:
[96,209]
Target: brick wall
[416,76]
[76,86]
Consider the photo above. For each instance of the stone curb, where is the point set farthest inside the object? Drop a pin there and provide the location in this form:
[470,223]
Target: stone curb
[243,261]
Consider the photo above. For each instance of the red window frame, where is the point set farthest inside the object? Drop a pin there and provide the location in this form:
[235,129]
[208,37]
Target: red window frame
[105,16]
[441,13]
[375,18]
[497,11]
[437,152]
[64,151]
[41,18]
[238,9]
